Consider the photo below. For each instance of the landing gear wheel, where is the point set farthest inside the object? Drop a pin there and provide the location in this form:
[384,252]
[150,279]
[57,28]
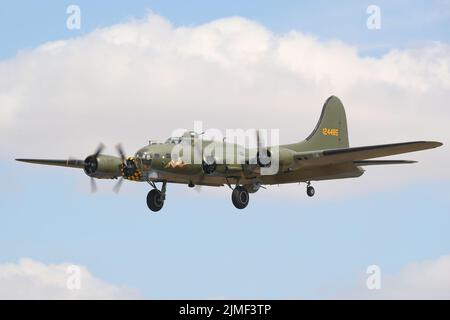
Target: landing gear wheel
[310,191]
[240,197]
[155,200]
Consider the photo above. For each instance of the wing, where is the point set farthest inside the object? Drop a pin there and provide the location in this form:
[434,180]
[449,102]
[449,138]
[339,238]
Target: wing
[332,156]
[381,162]
[72,163]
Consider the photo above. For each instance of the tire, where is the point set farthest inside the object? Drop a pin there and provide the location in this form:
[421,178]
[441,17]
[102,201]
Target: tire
[155,201]
[310,191]
[240,197]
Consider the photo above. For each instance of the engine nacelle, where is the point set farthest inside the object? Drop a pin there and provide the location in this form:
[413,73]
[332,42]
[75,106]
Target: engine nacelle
[102,166]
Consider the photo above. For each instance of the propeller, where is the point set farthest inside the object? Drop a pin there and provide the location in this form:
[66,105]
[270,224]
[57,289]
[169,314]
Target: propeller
[121,152]
[90,165]
[198,149]
[263,155]
[128,167]
[198,187]
[118,185]
[93,185]
[208,163]
[99,150]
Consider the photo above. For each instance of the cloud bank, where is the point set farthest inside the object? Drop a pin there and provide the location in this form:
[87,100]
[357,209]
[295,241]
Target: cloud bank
[428,279]
[145,78]
[30,279]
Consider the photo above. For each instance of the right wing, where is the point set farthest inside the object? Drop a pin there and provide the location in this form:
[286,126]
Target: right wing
[59,163]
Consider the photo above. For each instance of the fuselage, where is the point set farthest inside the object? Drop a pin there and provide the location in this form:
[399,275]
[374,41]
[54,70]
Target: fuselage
[161,162]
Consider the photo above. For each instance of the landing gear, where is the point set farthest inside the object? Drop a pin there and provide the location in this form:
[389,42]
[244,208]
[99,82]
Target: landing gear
[155,198]
[240,197]
[310,190]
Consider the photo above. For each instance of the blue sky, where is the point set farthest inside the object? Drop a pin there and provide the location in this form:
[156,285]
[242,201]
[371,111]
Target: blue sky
[276,248]
[295,249]
[405,23]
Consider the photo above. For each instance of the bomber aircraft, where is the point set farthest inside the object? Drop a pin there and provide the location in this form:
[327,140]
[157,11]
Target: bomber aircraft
[324,155]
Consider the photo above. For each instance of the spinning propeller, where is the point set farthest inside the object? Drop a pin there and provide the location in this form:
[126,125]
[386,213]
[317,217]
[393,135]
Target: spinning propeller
[90,165]
[128,169]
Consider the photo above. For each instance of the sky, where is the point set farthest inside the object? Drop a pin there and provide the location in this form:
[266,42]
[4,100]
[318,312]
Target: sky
[140,69]
[405,23]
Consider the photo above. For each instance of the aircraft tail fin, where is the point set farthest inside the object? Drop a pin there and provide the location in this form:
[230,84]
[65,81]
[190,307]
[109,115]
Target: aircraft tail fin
[331,129]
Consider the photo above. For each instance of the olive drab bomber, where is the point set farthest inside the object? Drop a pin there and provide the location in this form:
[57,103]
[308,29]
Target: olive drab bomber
[324,155]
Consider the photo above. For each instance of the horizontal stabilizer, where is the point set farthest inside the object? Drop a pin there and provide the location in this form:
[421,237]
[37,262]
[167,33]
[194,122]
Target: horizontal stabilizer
[72,163]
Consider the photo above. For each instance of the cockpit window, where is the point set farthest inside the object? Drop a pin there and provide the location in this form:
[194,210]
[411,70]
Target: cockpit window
[173,140]
[143,155]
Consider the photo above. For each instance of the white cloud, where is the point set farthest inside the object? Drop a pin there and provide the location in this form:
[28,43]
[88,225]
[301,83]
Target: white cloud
[145,78]
[30,279]
[428,279]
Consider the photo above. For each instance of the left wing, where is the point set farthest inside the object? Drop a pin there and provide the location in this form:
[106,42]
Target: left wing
[381,162]
[332,156]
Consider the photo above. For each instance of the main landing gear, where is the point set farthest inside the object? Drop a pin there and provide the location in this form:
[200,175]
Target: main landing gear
[240,197]
[310,189]
[155,198]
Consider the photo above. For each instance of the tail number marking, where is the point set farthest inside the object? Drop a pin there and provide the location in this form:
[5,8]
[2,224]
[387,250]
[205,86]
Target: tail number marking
[330,132]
